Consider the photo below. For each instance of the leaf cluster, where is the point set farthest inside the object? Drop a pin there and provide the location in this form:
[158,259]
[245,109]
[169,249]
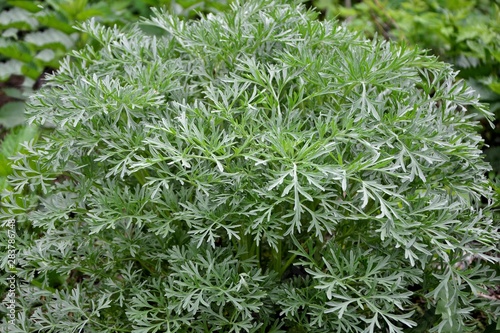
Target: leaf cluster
[36,35]
[464,33]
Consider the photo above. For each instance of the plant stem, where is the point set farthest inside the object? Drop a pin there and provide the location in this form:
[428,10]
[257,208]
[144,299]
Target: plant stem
[288,263]
[141,175]
[277,258]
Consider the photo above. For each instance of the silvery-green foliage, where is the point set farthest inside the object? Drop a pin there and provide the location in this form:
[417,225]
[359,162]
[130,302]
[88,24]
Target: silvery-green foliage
[253,171]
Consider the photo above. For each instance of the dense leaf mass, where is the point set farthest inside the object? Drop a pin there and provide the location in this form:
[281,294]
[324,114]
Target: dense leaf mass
[253,171]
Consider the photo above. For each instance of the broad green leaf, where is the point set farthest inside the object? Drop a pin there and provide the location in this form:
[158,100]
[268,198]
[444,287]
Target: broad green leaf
[46,55]
[12,114]
[17,18]
[10,67]
[56,21]
[13,92]
[32,69]
[11,145]
[51,38]
[32,6]
[10,33]
[495,86]
[16,50]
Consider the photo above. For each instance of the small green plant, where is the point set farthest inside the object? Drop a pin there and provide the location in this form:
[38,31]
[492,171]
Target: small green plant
[252,171]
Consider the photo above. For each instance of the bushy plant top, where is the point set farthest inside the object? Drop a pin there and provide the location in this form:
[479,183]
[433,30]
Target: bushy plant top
[464,33]
[35,35]
[253,171]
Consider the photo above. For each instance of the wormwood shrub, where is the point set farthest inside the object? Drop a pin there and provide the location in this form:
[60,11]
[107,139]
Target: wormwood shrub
[253,171]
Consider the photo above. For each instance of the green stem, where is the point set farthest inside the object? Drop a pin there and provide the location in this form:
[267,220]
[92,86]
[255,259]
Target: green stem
[152,271]
[141,175]
[277,258]
[243,243]
[251,246]
[288,263]
[258,250]
[348,233]
[40,286]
